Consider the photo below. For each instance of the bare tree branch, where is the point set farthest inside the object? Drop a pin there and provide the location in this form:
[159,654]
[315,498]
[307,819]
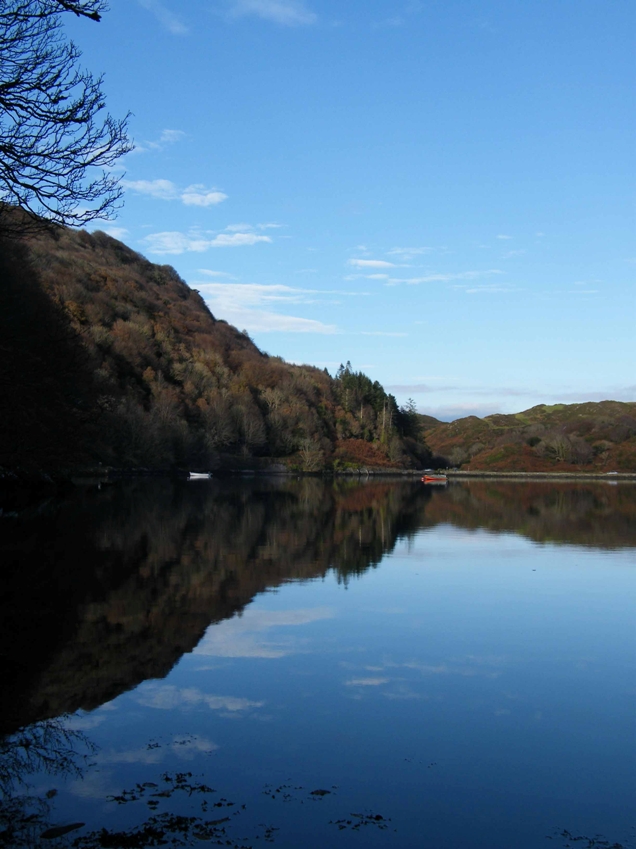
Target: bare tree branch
[57,144]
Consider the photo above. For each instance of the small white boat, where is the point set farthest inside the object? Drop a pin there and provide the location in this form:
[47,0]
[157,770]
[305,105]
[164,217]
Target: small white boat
[198,476]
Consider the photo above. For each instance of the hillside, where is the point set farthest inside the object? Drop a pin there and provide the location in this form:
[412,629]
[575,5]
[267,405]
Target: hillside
[562,437]
[108,358]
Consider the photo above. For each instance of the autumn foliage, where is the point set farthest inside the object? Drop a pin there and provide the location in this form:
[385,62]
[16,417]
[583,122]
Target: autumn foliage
[171,386]
[597,437]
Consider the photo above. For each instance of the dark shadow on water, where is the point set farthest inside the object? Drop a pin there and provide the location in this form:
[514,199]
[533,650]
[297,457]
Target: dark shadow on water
[108,587]
[105,588]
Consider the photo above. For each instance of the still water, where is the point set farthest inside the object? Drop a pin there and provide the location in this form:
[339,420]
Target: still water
[314,664]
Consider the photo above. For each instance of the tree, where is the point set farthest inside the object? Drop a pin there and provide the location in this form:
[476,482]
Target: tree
[56,142]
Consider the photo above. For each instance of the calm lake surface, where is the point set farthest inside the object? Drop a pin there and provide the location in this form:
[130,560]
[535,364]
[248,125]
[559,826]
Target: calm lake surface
[314,664]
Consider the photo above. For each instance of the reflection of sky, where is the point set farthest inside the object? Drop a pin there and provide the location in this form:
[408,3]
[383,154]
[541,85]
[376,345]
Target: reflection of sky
[469,670]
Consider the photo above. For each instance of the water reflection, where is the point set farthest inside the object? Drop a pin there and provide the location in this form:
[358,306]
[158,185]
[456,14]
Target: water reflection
[109,587]
[443,682]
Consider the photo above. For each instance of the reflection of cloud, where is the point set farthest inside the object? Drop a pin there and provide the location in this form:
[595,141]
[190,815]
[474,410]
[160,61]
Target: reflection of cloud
[240,636]
[185,748]
[468,667]
[404,694]
[366,682]
[95,785]
[167,697]
[84,721]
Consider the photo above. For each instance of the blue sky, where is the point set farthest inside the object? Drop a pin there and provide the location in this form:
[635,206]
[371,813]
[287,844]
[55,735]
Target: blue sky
[440,192]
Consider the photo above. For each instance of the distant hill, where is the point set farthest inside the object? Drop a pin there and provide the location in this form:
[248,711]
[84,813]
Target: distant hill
[109,358]
[565,437]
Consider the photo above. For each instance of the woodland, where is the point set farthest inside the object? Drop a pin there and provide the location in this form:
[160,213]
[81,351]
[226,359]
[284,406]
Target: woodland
[109,360]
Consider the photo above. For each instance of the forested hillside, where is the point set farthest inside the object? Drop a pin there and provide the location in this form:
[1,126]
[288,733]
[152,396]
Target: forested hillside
[592,437]
[108,358]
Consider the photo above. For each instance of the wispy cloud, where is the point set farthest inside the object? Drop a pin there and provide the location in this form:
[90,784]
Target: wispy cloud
[235,240]
[381,333]
[489,289]
[289,13]
[443,277]
[175,242]
[242,304]
[503,236]
[198,195]
[195,195]
[116,232]
[409,253]
[166,138]
[371,263]
[210,273]
[165,17]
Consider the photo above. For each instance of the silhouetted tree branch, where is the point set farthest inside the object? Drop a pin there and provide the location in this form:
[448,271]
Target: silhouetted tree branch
[56,145]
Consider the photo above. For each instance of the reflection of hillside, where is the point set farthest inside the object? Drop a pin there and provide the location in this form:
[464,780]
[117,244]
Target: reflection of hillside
[596,515]
[111,587]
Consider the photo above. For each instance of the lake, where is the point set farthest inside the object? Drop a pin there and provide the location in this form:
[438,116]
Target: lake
[306,663]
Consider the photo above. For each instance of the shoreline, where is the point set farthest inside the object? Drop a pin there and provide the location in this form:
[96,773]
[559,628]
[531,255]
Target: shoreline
[596,476]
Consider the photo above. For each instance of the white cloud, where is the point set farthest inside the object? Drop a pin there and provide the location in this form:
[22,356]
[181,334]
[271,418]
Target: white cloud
[196,195]
[239,304]
[444,278]
[271,225]
[167,137]
[237,240]
[116,232]
[163,189]
[503,236]
[165,16]
[367,682]
[409,253]
[211,273]
[171,136]
[175,242]
[286,12]
[236,228]
[380,333]
[487,289]
[371,263]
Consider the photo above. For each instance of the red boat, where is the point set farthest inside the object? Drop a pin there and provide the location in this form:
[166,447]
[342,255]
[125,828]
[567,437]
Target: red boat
[434,478]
